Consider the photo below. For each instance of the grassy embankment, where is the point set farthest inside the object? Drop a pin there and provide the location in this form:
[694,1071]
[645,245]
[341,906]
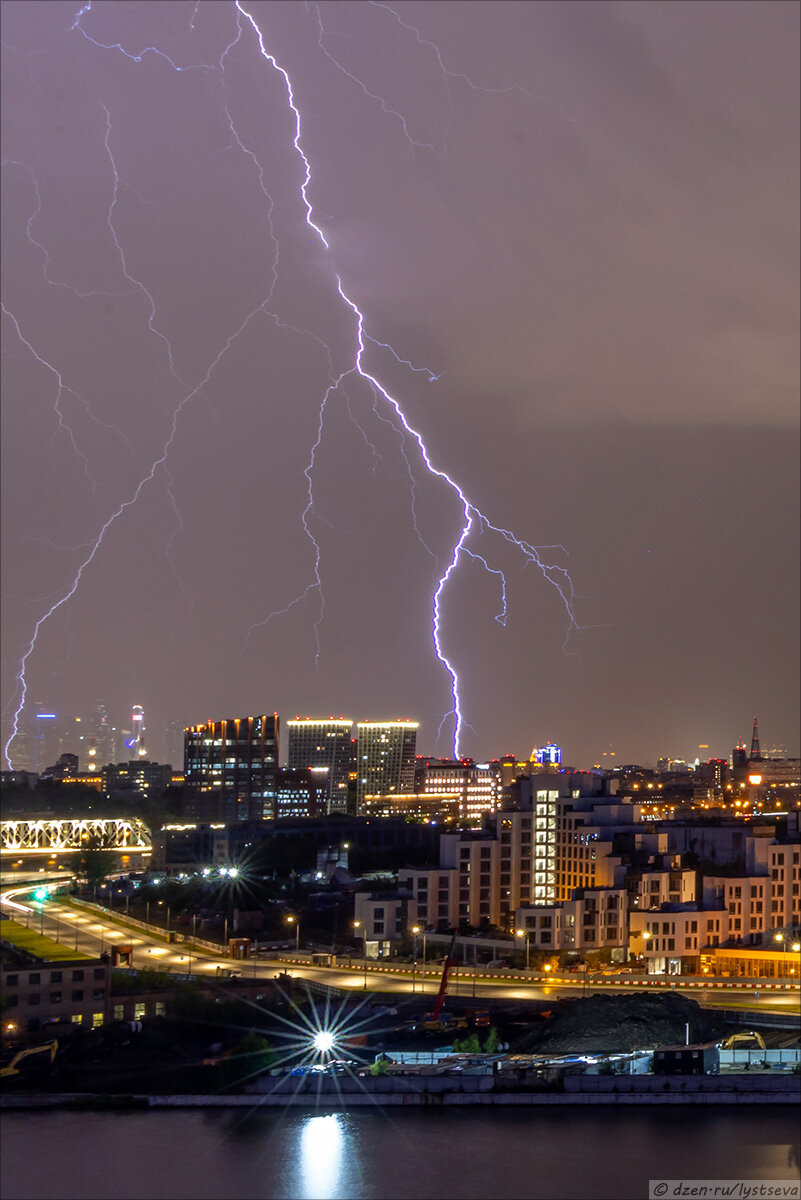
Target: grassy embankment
[35,943]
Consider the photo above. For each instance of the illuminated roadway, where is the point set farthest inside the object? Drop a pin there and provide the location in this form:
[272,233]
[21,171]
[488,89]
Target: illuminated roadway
[92,932]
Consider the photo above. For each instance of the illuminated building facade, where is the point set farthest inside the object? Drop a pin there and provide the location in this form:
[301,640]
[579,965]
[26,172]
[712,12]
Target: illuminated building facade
[137,742]
[325,748]
[385,758]
[230,769]
[46,739]
[547,756]
[138,775]
[416,807]
[300,792]
[475,784]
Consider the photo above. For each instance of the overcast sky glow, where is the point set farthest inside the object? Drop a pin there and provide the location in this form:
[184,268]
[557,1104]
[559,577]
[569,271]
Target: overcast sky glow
[577,223]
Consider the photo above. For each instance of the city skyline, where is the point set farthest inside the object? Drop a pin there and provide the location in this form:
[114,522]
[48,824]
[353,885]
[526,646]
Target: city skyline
[66,736]
[580,243]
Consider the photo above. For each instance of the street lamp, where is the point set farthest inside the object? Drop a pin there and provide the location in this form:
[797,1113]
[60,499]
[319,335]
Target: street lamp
[291,919]
[525,933]
[359,925]
[415,931]
[424,930]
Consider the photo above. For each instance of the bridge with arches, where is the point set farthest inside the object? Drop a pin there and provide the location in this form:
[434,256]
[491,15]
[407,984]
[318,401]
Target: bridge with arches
[62,835]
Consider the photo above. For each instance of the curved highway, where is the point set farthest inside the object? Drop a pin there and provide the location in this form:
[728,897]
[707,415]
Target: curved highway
[91,930]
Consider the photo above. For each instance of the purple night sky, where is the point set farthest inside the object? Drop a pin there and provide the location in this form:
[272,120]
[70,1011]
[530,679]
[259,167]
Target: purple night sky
[580,219]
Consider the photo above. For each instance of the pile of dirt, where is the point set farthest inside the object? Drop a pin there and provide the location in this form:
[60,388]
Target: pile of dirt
[640,1021]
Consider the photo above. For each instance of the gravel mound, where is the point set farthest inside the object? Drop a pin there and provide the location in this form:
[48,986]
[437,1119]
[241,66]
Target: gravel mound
[618,1023]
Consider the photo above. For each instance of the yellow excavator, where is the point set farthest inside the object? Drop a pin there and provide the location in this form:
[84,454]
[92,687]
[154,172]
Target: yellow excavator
[13,1067]
[752,1038]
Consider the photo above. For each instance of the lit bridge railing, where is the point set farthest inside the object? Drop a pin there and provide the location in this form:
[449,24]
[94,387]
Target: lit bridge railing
[53,836]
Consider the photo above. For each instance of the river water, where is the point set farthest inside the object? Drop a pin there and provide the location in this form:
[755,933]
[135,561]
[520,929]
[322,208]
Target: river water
[529,1154]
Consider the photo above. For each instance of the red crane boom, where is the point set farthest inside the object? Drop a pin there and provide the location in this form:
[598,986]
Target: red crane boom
[450,962]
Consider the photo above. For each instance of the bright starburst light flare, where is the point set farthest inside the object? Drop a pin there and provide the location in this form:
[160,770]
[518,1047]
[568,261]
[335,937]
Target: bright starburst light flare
[473,523]
[318,1039]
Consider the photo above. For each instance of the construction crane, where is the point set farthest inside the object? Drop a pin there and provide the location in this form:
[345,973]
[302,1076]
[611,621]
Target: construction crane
[13,1068]
[438,1022]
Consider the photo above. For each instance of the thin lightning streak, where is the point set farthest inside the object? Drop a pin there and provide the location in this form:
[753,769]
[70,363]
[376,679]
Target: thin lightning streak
[404,362]
[13,50]
[262,186]
[56,283]
[179,528]
[123,262]
[377,458]
[21,677]
[390,112]
[316,585]
[61,389]
[412,481]
[477,87]
[136,58]
[305,516]
[501,616]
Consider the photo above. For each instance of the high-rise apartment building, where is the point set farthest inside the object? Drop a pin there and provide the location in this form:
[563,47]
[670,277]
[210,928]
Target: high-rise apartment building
[46,738]
[230,769]
[300,792]
[323,747]
[385,757]
[101,742]
[138,745]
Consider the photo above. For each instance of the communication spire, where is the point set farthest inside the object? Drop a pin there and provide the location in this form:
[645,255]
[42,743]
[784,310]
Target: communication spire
[756,753]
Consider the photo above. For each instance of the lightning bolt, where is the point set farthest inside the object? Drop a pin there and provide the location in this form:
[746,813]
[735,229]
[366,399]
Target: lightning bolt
[471,514]
[472,522]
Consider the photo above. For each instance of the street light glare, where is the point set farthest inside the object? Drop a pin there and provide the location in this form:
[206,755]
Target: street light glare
[323,1041]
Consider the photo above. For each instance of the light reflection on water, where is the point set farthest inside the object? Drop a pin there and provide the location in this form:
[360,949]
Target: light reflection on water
[306,1154]
[322,1142]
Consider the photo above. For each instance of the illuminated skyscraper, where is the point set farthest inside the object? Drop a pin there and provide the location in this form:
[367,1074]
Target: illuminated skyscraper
[104,736]
[230,769]
[323,747]
[46,738]
[136,742]
[385,757]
